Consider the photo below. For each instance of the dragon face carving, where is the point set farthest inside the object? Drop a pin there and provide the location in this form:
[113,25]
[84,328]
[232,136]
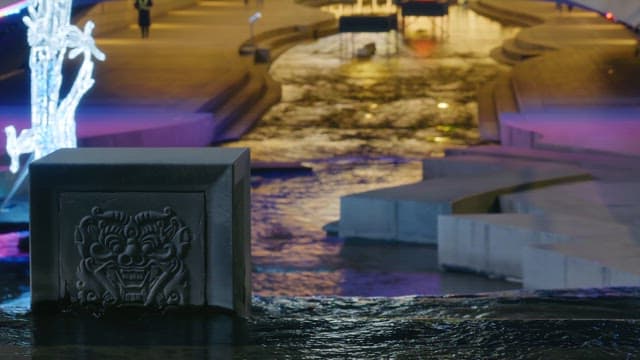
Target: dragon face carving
[132,260]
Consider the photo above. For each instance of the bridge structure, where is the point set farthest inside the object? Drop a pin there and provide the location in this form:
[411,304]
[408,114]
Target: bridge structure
[422,8]
[374,23]
[389,17]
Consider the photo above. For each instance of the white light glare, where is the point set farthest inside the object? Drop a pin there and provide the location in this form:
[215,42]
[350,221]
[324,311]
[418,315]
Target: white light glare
[50,35]
[253,18]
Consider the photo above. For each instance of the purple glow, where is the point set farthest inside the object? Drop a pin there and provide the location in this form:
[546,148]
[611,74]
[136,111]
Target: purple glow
[614,131]
[13,8]
[9,250]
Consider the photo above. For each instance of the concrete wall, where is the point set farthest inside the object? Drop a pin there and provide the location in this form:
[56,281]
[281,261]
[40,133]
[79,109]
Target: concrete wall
[626,11]
[112,15]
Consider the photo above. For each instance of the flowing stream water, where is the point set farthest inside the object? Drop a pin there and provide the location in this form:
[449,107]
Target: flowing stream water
[364,124]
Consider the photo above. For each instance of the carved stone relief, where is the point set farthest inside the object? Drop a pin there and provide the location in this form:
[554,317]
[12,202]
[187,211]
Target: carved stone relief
[132,259]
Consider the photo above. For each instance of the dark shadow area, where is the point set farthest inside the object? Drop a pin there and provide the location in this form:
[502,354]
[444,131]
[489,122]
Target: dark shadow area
[135,328]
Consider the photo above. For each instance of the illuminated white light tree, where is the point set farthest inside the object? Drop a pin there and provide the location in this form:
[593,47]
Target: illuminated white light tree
[51,36]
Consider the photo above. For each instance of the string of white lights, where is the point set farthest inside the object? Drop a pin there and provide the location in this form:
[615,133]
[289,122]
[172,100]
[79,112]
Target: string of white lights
[52,38]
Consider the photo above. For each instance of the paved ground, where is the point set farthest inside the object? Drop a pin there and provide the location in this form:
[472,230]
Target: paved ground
[190,58]
[589,80]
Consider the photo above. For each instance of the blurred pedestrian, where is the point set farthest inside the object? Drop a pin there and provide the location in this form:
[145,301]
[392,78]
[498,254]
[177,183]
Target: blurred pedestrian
[566,2]
[144,15]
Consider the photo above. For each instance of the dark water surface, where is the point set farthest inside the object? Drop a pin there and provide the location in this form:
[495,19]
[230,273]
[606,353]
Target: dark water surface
[600,324]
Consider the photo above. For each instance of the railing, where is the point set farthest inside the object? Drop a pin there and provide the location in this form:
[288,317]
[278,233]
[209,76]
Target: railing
[623,11]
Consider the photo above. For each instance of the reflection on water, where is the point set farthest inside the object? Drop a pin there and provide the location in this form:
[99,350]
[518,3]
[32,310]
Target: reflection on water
[363,125]
[600,324]
[292,255]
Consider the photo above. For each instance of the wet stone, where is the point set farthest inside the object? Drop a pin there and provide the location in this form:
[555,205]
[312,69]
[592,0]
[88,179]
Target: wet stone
[141,228]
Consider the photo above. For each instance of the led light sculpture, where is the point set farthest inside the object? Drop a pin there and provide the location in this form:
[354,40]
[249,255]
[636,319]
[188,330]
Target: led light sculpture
[51,35]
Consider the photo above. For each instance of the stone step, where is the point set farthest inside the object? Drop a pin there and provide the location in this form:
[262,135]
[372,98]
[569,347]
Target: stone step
[494,243]
[581,265]
[230,87]
[617,202]
[487,114]
[603,33]
[530,43]
[247,120]
[495,99]
[513,134]
[278,40]
[601,165]
[584,263]
[507,107]
[512,50]
[281,43]
[265,36]
[503,15]
[409,213]
[278,45]
[504,96]
[240,103]
[498,55]
[470,165]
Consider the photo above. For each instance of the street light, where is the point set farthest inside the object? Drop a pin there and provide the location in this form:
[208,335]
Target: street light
[252,19]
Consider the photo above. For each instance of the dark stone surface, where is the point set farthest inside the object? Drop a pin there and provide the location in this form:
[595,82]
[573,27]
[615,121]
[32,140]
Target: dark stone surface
[368,23]
[152,227]
[262,55]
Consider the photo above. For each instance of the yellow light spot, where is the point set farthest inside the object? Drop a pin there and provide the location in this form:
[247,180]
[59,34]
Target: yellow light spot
[368,116]
[443,105]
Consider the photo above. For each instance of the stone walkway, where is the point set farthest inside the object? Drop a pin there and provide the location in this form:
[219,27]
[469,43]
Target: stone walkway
[147,89]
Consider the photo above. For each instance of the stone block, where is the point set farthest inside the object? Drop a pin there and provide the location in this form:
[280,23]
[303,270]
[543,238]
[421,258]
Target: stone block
[145,227]
[262,55]
[543,268]
[585,273]
[505,249]
[493,243]
[623,278]
[418,221]
[460,166]
[410,211]
[378,223]
[461,243]
[576,265]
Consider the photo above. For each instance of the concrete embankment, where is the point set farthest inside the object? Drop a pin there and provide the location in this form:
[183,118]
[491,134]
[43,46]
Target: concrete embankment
[570,101]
